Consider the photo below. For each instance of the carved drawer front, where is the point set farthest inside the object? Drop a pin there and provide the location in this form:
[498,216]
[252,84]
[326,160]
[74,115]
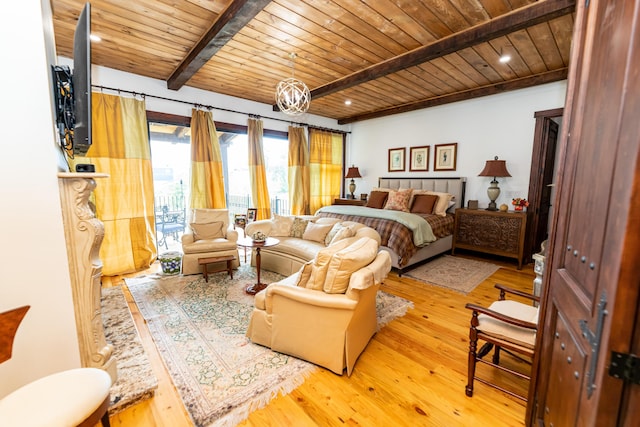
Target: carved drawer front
[497,232]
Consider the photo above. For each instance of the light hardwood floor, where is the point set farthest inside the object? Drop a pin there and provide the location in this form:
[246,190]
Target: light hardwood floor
[412,373]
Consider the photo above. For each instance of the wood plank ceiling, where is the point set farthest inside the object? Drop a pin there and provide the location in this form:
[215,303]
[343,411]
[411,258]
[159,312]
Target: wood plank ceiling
[385,56]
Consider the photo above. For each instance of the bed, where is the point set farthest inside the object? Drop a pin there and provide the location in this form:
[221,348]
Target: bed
[404,235]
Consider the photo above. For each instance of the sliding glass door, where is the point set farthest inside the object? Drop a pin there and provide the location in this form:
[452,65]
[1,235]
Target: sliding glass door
[170,139]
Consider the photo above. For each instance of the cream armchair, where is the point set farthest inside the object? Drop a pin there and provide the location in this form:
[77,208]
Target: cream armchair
[310,316]
[208,235]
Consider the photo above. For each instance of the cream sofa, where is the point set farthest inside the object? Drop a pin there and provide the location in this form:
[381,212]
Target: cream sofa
[326,312]
[294,251]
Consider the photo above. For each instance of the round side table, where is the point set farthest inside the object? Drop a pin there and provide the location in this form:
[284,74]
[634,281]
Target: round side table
[247,242]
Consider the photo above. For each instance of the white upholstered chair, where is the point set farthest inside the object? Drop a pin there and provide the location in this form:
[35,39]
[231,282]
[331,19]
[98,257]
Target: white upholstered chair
[208,235]
[76,397]
[326,317]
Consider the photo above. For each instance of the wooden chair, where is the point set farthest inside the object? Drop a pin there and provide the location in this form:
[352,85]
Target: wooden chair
[507,325]
[77,397]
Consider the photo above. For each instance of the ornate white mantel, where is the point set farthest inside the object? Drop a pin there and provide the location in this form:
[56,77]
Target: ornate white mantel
[84,234]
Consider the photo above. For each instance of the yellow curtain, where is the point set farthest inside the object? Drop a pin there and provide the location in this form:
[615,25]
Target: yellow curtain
[325,167]
[124,201]
[257,172]
[298,171]
[207,180]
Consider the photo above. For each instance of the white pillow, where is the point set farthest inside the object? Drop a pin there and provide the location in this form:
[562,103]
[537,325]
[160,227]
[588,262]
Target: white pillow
[346,262]
[330,235]
[443,202]
[316,232]
[281,225]
[343,233]
[321,264]
[207,231]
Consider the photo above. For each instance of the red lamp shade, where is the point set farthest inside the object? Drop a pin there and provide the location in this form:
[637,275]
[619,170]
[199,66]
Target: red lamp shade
[353,172]
[495,168]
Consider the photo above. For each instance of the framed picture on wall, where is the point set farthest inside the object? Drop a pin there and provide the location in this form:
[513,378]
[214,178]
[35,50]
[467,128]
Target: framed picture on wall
[419,159]
[396,159]
[444,157]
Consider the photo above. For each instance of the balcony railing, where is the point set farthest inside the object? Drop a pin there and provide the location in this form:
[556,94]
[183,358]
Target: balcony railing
[237,204]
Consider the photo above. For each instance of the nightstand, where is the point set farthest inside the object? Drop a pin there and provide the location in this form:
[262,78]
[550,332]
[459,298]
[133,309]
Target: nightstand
[491,232]
[354,202]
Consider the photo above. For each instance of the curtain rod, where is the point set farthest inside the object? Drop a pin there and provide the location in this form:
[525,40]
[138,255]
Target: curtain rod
[211,107]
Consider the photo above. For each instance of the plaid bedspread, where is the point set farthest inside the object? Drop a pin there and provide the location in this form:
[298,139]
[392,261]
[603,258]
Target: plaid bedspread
[396,236]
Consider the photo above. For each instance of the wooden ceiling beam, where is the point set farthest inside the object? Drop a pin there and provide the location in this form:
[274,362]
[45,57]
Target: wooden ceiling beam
[521,83]
[231,20]
[519,19]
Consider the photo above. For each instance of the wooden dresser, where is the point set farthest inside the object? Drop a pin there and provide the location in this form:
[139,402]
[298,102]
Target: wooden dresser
[491,232]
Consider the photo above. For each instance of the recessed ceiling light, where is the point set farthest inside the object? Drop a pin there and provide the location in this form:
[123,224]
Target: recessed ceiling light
[505,58]
[347,102]
[95,38]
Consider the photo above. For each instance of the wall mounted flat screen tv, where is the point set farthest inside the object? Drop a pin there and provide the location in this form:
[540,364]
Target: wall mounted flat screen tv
[72,92]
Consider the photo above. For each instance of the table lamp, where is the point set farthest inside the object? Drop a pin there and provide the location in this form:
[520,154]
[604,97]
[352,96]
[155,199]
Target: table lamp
[494,168]
[353,172]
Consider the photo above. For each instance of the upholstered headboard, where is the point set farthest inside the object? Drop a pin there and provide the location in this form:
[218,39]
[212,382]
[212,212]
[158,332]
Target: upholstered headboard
[455,186]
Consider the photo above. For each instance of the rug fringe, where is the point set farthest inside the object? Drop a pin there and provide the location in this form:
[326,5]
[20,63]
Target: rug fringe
[393,314]
[241,413]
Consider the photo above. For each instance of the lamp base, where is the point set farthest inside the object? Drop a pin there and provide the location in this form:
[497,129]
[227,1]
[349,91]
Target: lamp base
[352,188]
[493,192]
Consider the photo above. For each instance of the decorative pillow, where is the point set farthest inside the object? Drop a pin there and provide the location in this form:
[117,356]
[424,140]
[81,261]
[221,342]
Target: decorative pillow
[452,203]
[298,227]
[344,233]
[399,200]
[321,264]
[207,231]
[281,225]
[424,203]
[316,232]
[377,199]
[332,233]
[443,202]
[346,262]
[304,274]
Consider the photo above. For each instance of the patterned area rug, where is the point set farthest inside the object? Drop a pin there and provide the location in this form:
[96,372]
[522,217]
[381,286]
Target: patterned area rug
[199,329]
[458,274]
[136,380]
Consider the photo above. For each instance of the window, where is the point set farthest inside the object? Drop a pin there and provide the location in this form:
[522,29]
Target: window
[170,138]
[170,158]
[235,155]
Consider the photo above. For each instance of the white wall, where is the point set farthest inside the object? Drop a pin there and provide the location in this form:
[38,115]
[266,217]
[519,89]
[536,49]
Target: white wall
[498,125]
[33,259]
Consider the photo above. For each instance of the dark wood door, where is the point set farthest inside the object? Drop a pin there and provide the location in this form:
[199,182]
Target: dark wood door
[591,284]
[551,136]
[541,179]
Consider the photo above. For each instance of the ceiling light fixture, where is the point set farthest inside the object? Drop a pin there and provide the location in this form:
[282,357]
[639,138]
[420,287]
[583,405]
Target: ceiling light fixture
[292,95]
[95,38]
[347,102]
[504,57]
